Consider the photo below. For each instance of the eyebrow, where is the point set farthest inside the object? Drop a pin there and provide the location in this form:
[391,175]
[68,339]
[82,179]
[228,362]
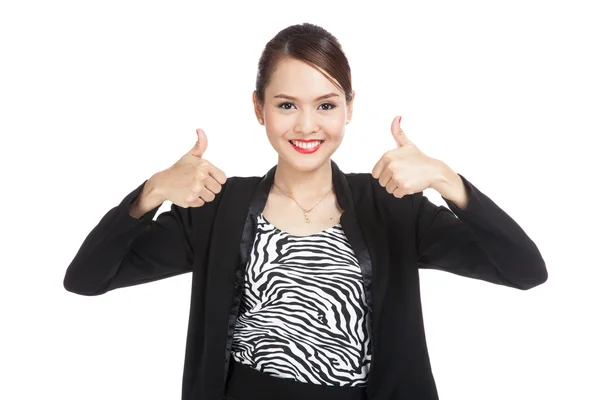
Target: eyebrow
[325,96]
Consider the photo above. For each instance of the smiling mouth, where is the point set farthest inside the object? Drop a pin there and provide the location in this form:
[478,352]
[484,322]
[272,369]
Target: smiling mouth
[306,147]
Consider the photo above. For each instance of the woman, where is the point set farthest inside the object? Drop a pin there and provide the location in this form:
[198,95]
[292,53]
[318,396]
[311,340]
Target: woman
[305,281]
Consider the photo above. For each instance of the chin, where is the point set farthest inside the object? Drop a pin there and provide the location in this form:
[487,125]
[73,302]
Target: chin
[303,163]
[308,167]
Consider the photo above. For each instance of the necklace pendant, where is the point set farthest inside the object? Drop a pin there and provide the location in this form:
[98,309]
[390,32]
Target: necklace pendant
[306,218]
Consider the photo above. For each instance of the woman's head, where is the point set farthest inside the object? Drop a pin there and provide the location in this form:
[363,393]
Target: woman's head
[298,66]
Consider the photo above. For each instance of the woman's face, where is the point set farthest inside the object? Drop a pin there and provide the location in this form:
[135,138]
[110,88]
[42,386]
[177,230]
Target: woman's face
[295,109]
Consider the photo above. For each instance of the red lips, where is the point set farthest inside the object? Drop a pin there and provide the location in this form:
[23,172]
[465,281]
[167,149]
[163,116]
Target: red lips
[305,150]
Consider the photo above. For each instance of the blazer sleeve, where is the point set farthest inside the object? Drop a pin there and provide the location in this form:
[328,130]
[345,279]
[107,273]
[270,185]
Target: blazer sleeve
[481,241]
[124,251]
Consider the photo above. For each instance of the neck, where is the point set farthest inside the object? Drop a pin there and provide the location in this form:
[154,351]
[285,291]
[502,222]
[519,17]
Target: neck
[304,185]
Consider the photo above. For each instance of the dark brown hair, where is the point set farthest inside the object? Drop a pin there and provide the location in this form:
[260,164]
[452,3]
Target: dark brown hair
[308,43]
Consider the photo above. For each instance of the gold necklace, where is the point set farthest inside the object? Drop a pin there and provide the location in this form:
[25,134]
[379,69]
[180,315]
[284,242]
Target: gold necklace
[305,211]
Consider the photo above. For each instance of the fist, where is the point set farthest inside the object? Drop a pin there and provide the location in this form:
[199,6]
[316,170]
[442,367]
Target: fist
[405,169]
[192,181]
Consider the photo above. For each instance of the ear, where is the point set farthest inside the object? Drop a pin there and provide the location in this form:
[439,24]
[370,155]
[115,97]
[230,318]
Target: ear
[350,106]
[257,107]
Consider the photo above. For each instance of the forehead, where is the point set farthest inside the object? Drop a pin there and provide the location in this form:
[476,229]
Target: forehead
[297,78]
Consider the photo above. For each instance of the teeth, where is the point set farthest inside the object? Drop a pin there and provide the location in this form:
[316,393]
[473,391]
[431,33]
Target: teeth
[305,145]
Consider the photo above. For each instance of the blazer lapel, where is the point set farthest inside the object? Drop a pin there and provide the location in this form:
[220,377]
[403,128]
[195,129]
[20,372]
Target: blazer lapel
[225,275]
[257,205]
[361,242]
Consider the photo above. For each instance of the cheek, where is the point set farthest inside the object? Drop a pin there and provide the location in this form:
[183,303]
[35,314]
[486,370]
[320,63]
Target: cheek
[277,125]
[335,127]
[278,128]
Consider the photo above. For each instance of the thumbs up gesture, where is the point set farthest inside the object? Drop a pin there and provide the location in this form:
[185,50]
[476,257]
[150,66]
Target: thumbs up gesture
[192,181]
[406,169]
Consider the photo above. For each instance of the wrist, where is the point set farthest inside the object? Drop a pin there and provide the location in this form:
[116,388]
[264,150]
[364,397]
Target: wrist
[148,199]
[153,192]
[450,185]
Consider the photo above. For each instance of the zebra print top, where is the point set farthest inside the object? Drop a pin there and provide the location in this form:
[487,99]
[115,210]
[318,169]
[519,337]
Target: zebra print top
[303,313]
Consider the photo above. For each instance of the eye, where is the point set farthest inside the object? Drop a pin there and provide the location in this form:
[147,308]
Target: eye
[282,104]
[331,106]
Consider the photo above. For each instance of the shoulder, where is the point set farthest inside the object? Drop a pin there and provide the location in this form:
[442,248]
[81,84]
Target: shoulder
[238,188]
[241,182]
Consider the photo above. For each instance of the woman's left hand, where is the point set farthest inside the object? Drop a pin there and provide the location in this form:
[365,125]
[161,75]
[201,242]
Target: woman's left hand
[406,169]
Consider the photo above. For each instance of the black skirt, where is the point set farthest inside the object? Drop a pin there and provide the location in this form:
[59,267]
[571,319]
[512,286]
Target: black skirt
[247,383]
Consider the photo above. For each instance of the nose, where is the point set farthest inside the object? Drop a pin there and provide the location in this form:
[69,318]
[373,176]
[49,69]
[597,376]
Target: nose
[306,123]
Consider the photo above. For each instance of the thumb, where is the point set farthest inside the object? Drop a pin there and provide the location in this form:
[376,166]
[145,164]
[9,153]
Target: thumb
[201,145]
[398,133]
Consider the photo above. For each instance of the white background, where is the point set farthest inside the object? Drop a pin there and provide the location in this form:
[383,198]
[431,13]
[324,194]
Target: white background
[95,97]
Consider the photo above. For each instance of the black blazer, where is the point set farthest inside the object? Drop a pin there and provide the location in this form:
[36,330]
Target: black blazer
[391,237]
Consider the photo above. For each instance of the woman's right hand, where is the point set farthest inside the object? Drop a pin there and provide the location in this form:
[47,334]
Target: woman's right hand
[192,181]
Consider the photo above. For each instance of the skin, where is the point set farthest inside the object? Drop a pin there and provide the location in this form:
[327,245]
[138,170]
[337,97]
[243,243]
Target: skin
[308,177]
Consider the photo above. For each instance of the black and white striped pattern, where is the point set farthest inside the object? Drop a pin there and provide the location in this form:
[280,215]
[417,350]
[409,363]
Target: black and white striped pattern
[303,314]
